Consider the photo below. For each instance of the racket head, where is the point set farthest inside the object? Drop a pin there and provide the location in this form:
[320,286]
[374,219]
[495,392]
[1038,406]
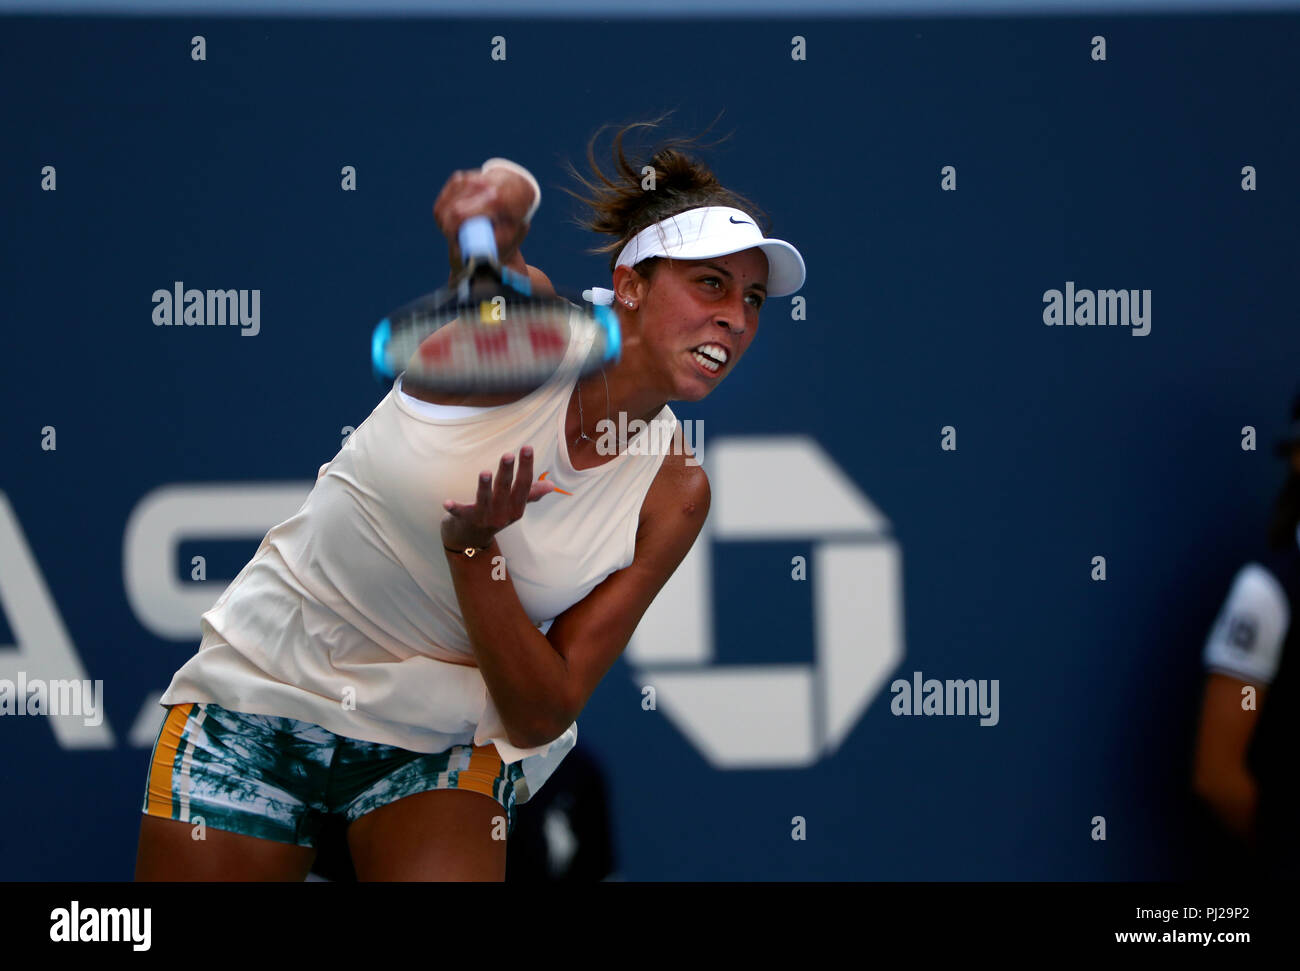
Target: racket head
[488,333]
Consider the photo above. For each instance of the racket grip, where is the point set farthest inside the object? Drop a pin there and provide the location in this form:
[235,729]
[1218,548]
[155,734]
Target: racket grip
[477,238]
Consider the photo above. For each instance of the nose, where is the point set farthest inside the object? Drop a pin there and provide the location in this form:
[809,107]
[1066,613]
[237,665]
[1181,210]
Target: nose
[736,314]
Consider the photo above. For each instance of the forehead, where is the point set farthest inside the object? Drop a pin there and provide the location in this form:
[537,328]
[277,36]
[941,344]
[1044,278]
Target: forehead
[750,264]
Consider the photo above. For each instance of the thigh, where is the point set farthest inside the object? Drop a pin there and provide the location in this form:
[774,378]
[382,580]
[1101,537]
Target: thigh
[414,816]
[441,834]
[169,851]
[232,796]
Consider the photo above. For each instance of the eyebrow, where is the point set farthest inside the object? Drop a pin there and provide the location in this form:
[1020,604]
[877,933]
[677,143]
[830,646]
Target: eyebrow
[714,266]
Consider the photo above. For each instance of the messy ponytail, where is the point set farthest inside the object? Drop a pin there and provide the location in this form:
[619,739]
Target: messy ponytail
[620,208]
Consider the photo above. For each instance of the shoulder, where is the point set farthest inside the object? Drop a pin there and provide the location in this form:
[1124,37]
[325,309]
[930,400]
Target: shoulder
[677,502]
[1251,629]
[1257,588]
[682,478]
[540,282]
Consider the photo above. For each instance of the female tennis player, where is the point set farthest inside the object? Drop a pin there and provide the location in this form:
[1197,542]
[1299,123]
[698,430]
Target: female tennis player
[410,650]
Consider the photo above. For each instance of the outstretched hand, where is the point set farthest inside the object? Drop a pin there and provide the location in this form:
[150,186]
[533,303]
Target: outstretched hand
[496,506]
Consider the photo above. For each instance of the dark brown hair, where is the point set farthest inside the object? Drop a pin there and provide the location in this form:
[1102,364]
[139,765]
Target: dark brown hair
[619,208]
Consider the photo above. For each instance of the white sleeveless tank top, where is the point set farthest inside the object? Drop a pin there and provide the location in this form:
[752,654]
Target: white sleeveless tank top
[346,616]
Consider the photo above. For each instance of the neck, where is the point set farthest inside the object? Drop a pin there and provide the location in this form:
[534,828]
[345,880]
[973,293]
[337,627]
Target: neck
[626,395]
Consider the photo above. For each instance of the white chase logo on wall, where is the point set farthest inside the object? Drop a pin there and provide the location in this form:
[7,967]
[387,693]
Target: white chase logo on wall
[778,716]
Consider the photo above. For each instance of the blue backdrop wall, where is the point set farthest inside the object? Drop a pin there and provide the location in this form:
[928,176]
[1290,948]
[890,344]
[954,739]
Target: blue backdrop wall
[924,309]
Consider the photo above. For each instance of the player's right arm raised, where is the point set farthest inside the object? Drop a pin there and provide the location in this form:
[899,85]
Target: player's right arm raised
[505,197]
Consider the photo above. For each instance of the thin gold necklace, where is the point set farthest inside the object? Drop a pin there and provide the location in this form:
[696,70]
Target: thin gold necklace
[581,433]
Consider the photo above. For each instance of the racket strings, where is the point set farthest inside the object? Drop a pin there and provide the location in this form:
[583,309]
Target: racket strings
[483,343]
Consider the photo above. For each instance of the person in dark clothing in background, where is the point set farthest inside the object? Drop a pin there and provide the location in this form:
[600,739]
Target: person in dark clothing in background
[563,833]
[1250,722]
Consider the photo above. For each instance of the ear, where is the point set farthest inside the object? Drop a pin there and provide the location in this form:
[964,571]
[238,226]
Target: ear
[629,284]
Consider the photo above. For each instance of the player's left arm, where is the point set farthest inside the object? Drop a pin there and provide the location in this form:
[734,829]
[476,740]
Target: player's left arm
[591,634]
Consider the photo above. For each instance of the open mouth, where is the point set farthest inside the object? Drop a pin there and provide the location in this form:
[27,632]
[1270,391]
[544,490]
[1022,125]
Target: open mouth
[711,357]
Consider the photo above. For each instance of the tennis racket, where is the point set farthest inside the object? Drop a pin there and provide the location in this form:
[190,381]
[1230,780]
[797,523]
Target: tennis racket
[486,331]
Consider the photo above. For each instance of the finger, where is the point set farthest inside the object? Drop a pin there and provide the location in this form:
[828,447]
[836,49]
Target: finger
[475,204]
[453,187]
[501,492]
[460,510]
[464,181]
[483,498]
[456,196]
[540,489]
[523,482]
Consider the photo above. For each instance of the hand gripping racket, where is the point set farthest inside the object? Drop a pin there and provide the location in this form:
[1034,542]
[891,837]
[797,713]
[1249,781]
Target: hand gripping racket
[486,332]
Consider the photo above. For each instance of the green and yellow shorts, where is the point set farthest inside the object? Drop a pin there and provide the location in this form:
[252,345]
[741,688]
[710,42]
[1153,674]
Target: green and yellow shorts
[278,778]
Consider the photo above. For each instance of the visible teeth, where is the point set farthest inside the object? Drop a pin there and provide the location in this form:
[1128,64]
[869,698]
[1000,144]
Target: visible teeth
[709,363]
[716,351]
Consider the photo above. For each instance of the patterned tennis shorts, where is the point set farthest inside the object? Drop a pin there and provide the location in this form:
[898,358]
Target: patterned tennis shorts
[277,778]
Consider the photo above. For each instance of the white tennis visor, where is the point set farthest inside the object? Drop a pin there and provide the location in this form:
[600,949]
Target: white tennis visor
[698,234]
